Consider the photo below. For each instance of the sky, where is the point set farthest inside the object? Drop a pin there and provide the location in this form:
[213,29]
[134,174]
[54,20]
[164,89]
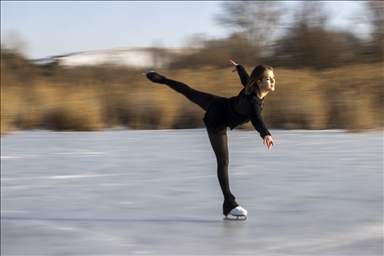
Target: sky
[60,27]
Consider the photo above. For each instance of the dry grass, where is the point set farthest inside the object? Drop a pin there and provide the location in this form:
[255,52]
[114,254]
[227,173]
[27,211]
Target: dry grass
[96,98]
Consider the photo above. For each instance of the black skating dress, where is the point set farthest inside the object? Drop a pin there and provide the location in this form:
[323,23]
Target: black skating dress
[232,112]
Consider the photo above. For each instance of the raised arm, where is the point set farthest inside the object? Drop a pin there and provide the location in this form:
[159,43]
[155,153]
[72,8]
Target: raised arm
[242,73]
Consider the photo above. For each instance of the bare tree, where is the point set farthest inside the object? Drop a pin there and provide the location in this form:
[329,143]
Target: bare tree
[307,43]
[310,15]
[256,20]
[375,14]
[14,42]
[376,17]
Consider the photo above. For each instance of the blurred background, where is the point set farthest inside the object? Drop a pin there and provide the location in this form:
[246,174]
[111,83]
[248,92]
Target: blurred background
[78,65]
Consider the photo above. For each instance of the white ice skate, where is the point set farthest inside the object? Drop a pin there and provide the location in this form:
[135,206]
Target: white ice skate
[237,213]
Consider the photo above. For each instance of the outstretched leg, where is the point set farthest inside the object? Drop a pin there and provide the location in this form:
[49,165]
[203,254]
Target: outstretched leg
[200,98]
[219,144]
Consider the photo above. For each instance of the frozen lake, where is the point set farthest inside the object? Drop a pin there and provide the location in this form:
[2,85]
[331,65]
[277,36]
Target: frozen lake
[130,192]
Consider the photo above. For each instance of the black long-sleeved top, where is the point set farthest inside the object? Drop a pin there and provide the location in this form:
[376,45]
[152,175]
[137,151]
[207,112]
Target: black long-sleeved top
[234,111]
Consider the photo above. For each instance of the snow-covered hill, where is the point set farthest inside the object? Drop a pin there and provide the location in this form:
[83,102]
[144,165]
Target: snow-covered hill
[125,56]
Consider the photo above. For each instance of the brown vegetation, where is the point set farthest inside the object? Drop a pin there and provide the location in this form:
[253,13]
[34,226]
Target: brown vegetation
[94,98]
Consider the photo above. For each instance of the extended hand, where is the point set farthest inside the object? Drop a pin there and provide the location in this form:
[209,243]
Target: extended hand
[268,141]
[234,64]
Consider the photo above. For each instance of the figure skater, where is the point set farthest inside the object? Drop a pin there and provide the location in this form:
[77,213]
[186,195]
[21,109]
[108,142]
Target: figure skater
[222,113]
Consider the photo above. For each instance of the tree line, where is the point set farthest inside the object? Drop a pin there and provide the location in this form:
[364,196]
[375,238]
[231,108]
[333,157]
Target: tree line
[259,32]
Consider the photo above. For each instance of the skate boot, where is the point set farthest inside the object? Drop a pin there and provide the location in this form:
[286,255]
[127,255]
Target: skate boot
[154,77]
[238,213]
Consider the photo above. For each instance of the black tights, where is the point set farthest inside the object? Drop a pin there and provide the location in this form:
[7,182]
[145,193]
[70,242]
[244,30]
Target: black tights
[219,142]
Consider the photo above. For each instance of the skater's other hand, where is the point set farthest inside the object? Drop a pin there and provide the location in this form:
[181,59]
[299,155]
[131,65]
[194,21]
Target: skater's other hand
[234,64]
[268,141]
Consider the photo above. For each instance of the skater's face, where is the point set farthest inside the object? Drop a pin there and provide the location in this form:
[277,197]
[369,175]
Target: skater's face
[268,82]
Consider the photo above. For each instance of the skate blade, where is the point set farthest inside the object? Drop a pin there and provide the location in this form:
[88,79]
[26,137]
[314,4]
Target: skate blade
[235,218]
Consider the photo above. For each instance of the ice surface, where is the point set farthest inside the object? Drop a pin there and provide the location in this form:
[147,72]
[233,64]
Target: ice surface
[130,192]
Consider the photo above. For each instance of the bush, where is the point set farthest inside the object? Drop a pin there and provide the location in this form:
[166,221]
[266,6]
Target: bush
[89,99]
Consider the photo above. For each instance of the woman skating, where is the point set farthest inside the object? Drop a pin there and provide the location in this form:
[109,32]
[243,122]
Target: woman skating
[222,113]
